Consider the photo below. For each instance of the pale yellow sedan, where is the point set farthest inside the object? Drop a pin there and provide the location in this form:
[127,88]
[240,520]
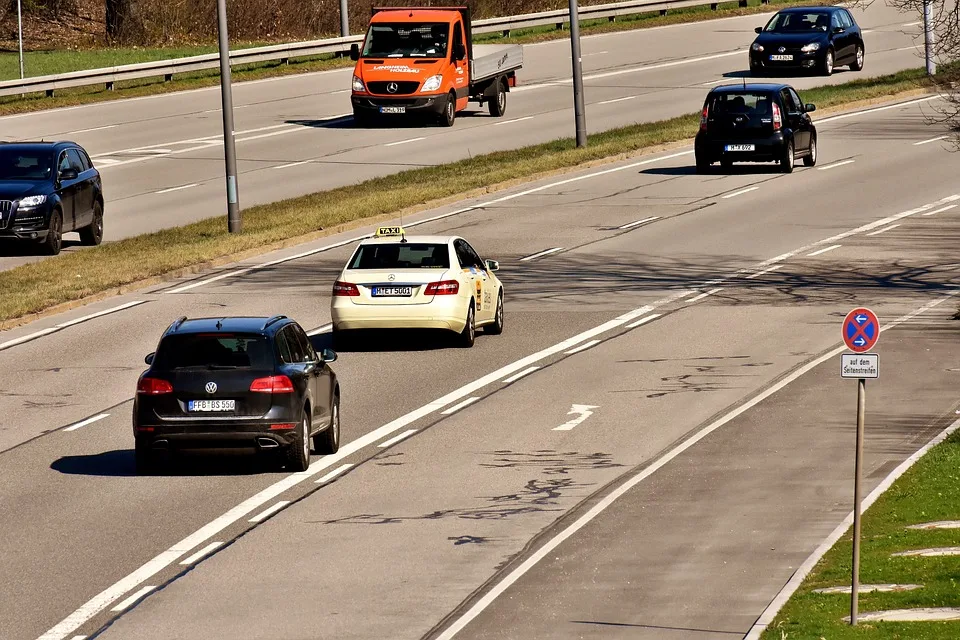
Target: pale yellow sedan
[396,281]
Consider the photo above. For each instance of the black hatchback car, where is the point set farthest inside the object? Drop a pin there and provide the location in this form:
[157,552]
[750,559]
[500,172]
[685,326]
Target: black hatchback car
[48,189]
[755,123]
[808,39]
[237,383]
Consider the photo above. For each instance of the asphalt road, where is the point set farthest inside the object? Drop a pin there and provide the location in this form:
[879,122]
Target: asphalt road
[729,300]
[162,157]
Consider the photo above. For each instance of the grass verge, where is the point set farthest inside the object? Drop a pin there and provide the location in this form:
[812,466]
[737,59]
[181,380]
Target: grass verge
[928,492]
[40,286]
[53,62]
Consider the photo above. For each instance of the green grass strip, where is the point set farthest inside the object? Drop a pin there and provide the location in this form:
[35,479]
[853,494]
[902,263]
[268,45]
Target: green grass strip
[68,277]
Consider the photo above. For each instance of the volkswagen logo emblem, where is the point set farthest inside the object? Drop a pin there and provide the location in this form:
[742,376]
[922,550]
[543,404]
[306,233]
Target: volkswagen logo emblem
[782,49]
[391,277]
[392,87]
[211,387]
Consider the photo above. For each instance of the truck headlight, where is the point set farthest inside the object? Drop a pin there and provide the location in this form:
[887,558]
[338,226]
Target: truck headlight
[757,47]
[358,84]
[810,48]
[32,201]
[432,83]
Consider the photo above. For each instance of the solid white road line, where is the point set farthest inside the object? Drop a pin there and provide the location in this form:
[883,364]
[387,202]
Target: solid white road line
[910,24]
[292,164]
[885,229]
[121,307]
[702,296]
[129,601]
[325,328]
[397,438]
[28,337]
[835,165]
[767,270]
[637,223]
[459,405]
[517,376]
[70,133]
[79,638]
[583,347]
[634,325]
[633,481]
[616,100]
[896,105]
[393,144]
[203,552]
[266,513]
[740,193]
[497,124]
[83,423]
[333,474]
[941,210]
[542,253]
[930,140]
[180,188]
[820,251]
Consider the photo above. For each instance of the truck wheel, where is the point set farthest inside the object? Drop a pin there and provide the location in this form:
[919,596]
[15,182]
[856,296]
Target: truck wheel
[449,111]
[498,106]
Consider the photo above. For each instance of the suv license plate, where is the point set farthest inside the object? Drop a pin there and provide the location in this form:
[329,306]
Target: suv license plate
[740,147]
[211,405]
[393,109]
[781,57]
[392,292]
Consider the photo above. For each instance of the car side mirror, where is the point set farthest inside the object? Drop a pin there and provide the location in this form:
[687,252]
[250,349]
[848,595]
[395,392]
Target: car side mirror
[758,30]
[838,29]
[354,52]
[328,355]
[810,107]
[69,174]
[459,52]
[493,265]
[149,358]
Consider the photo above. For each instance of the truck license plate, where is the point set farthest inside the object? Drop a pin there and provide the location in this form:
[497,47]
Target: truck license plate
[393,109]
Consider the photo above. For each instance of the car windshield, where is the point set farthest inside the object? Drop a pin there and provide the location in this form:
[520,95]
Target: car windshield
[798,22]
[214,351]
[25,165]
[404,40]
[401,256]
[742,102]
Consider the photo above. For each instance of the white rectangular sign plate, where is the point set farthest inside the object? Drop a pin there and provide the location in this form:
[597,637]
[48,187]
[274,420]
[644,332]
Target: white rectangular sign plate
[860,365]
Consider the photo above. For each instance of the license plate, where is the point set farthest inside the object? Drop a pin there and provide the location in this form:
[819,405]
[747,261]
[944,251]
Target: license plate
[740,147]
[393,109]
[211,405]
[782,57]
[392,292]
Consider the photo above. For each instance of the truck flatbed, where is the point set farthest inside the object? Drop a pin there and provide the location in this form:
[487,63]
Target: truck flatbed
[490,60]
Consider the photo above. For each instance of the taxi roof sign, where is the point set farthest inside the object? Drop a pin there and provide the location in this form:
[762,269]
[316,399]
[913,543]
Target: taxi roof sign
[386,232]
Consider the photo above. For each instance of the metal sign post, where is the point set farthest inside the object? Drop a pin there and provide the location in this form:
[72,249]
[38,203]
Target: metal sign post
[581,123]
[20,35]
[929,37]
[226,97]
[344,19]
[861,330]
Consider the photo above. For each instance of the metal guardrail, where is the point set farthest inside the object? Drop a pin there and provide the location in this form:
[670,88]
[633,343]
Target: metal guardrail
[340,46]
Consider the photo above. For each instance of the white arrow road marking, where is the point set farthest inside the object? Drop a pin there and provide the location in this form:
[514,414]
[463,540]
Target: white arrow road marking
[585,412]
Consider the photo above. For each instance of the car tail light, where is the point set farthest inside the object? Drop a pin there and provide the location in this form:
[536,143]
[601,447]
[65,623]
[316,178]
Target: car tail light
[703,117]
[154,386]
[345,289]
[273,384]
[442,288]
[777,119]
[283,426]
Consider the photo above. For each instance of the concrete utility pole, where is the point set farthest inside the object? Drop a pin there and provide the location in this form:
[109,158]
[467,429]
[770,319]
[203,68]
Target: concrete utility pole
[229,146]
[577,75]
[929,37]
[344,19]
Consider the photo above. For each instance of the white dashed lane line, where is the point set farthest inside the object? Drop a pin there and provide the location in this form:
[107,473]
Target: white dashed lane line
[765,271]
[459,406]
[397,438]
[835,165]
[637,223]
[126,604]
[333,474]
[541,254]
[928,141]
[180,188]
[393,144]
[941,210]
[266,513]
[88,421]
[207,550]
[740,192]
[821,251]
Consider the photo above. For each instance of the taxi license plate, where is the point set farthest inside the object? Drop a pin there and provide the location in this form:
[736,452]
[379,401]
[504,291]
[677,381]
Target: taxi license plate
[740,147]
[781,57]
[393,109]
[211,405]
[392,292]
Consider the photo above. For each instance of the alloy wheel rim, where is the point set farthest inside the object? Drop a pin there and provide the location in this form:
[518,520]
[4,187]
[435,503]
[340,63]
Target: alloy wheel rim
[813,150]
[55,229]
[502,99]
[306,438]
[336,423]
[500,312]
[470,322]
[99,225]
[859,57]
[829,61]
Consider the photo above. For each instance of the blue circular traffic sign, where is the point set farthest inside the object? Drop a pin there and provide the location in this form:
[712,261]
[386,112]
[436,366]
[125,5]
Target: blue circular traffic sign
[861,330]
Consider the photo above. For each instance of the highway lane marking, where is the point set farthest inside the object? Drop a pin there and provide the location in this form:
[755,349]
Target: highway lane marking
[541,254]
[393,144]
[292,164]
[79,638]
[616,100]
[910,24]
[63,325]
[637,223]
[325,328]
[822,251]
[333,474]
[513,121]
[703,295]
[642,321]
[162,146]
[109,126]
[461,622]
[765,271]
[885,229]
[132,599]
[930,140]
[88,421]
[583,347]
[397,438]
[202,553]
[896,105]
[266,513]
[941,210]
[582,411]
[522,374]
[180,188]
[835,165]
[741,192]
[713,82]
[459,405]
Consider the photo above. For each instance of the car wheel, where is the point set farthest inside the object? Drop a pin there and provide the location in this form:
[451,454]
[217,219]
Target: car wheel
[361,119]
[298,453]
[727,165]
[469,334]
[52,244]
[702,165]
[341,340]
[327,442]
[449,111]
[857,64]
[93,235]
[496,328]
[786,161]
[498,106]
[811,159]
[144,459]
[827,68]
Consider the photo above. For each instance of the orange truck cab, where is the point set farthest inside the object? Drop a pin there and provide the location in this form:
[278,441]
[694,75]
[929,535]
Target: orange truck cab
[422,61]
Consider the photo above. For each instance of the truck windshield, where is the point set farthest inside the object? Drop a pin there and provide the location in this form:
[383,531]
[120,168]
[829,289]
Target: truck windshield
[406,40]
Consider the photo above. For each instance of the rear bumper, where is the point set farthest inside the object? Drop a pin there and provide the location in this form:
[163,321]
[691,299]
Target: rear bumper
[449,314]
[225,434]
[765,149]
[419,104]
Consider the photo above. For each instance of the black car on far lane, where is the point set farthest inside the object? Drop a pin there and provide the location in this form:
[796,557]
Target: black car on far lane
[754,122]
[48,189]
[237,383]
[809,39]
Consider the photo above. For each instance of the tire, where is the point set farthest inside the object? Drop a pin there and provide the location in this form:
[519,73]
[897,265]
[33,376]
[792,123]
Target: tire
[92,235]
[727,165]
[857,64]
[827,67]
[144,459]
[811,159]
[361,119]
[702,165]
[449,115]
[496,327]
[787,160]
[469,334]
[341,340]
[52,244]
[298,453]
[327,442]
[498,106]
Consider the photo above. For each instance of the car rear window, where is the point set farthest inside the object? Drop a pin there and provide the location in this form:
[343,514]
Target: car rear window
[409,255]
[214,350]
[25,165]
[745,102]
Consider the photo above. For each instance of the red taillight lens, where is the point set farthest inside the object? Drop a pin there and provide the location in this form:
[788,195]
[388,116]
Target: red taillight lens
[442,288]
[345,289]
[703,117]
[777,120]
[154,386]
[273,384]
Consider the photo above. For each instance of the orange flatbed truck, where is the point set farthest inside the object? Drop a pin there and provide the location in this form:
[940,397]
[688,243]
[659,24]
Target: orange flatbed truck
[422,62]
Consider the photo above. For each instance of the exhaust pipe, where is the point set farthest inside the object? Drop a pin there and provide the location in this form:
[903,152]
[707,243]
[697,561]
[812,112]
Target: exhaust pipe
[267,443]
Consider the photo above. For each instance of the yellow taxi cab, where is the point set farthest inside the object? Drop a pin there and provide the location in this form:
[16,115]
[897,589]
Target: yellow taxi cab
[395,281]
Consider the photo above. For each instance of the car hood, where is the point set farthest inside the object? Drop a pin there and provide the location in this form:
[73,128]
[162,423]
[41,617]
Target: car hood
[791,39]
[13,189]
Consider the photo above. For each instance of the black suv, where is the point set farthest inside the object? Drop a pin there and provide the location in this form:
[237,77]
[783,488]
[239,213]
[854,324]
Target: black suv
[48,189]
[755,123]
[227,383]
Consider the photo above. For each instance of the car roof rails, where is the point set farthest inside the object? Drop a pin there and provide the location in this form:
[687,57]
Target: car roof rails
[272,320]
[176,323]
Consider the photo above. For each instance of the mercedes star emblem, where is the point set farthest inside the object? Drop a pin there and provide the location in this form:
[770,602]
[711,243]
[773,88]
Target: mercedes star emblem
[392,87]
[391,277]
[211,387]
